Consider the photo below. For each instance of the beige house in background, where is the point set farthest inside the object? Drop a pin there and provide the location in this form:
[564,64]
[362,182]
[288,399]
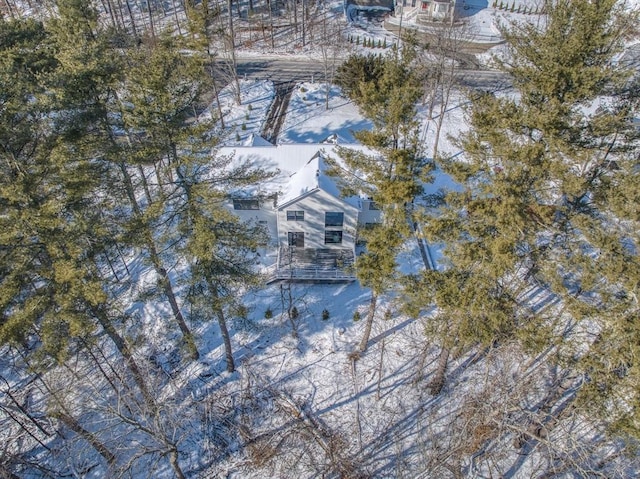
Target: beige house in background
[436,10]
[426,11]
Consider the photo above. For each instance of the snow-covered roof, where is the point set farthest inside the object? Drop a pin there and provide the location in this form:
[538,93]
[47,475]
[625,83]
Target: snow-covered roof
[301,169]
[257,140]
[312,177]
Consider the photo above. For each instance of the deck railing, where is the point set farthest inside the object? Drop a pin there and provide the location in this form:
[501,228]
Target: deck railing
[308,274]
[287,271]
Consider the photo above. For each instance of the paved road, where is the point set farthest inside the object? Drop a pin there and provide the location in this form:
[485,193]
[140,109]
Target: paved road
[284,70]
[281,70]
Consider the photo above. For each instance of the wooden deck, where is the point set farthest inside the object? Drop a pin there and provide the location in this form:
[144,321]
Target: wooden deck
[314,265]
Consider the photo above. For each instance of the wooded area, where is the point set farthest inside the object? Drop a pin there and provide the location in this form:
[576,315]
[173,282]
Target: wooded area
[105,175]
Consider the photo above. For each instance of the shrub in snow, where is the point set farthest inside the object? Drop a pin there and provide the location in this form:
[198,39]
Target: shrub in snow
[356,316]
[294,313]
[268,314]
[243,127]
[325,314]
[189,346]
[237,136]
[302,89]
[249,107]
[242,311]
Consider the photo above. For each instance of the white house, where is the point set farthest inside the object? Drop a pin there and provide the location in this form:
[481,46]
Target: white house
[437,10]
[313,230]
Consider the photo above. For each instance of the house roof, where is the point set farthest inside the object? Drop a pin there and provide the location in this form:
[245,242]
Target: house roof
[257,140]
[301,169]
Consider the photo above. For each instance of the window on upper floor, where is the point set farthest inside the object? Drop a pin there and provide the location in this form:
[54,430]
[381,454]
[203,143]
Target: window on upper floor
[246,204]
[295,215]
[333,219]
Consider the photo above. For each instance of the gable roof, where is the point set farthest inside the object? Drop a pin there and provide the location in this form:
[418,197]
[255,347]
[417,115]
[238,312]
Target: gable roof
[301,170]
[310,178]
[257,140]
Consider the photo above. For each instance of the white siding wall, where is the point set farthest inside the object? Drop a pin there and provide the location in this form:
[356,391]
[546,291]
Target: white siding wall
[368,215]
[266,213]
[314,206]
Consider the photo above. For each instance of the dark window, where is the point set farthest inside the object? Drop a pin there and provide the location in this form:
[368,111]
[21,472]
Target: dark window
[296,238]
[333,219]
[332,237]
[246,205]
[293,215]
[373,206]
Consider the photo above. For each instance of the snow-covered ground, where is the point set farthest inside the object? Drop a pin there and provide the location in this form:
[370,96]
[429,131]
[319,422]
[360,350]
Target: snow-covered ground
[377,407]
[375,414]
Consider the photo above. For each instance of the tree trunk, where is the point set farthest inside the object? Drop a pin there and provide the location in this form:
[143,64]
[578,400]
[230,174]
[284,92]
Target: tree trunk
[295,17]
[156,261]
[6,2]
[215,91]
[175,16]
[232,52]
[173,460]
[125,352]
[24,411]
[362,347]
[167,287]
[107,8]
[8,413]
[231,367]
[304,21]
[437,383]
[133,20]
[151,25]
[273,41]
[91,438]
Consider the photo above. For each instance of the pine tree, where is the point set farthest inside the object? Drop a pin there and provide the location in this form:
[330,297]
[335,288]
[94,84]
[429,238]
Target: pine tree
[219,247]
[540,180]
[392,176]
[162,86]
[355,69]
[159,92]
[385,90]
[52,236]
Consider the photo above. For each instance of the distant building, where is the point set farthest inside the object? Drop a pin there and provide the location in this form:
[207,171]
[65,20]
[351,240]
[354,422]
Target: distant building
[426,11]
[436,10]
[387,4]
